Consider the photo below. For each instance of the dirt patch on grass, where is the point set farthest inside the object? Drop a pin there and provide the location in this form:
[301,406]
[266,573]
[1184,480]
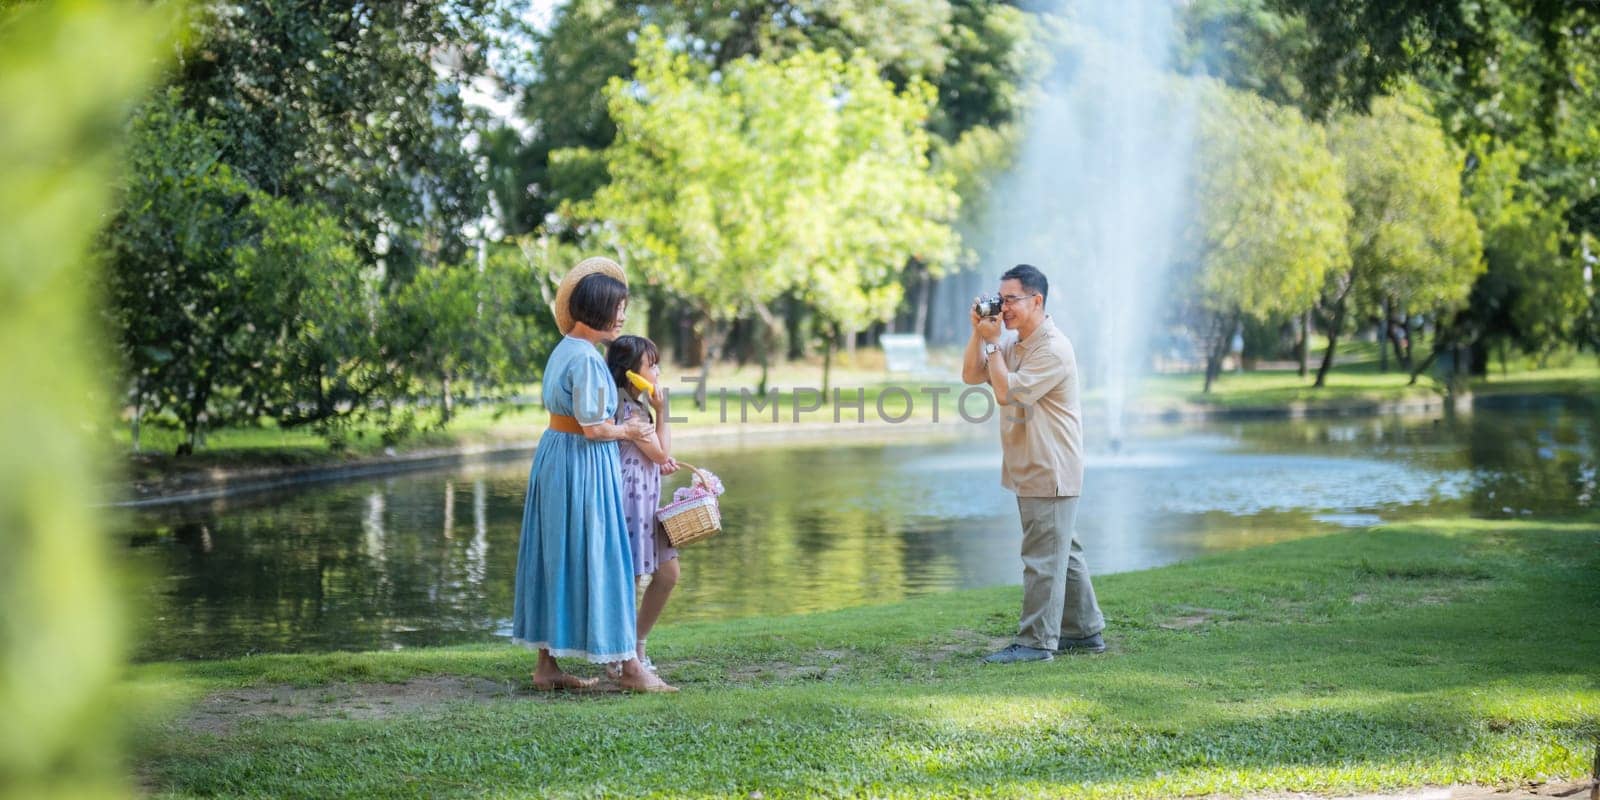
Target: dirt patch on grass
[221,713]
[967,643]
[1189,617]
[821,665]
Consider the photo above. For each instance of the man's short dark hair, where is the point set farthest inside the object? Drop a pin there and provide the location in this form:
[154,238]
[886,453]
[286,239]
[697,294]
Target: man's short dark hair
[1031,278]
[595,299]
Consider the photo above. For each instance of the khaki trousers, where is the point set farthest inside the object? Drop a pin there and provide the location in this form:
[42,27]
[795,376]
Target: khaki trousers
[1057,595]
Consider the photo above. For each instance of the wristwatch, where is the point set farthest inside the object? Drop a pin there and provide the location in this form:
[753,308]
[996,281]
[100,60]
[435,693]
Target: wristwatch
[990,347]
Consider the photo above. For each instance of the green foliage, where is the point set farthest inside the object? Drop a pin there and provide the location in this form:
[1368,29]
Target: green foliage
[1363,49]
[229,303]
[976,53]
[1412,238]
[353,106]
[1270,219]
[991,56]
[1247,45]
[1536,200]
[1532,294]
[587,45]
[1413,242]
[486,323]
[67,74]
[810,174]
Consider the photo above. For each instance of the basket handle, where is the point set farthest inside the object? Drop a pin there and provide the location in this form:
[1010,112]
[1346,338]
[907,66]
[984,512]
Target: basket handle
[699,474]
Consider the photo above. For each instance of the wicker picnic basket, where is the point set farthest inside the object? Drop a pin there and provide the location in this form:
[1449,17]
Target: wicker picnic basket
[696,516]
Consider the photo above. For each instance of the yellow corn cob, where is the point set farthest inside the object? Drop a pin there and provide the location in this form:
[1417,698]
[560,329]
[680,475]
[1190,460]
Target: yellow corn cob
[641,384]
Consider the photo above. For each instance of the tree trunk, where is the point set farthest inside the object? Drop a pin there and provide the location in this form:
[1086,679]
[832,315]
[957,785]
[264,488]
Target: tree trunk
[794,323]
[199,395]
[447,401]
[1383,338]
[768,327]
[827,359]
[1411,341]
[1477,362]
[138,411]
[1333,342]
[1305,343]
[689,344]
[1439,345]
[924,299]
[711,346]
[1218,350]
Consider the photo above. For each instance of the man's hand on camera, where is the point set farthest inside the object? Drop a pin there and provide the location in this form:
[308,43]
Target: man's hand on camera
[988,329]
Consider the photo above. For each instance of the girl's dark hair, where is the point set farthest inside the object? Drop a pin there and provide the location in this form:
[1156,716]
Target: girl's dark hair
[595,299]
[629,352]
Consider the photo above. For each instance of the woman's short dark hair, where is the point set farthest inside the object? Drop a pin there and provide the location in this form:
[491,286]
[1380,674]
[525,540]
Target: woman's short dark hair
[629,352]
[595,299]
[1031,278]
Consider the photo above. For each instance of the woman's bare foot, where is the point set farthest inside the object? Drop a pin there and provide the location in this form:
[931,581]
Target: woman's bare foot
[561,680]
[635,678]
[548,677]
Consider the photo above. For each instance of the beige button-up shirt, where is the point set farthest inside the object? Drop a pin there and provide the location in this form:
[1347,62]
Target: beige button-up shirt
[1041,424]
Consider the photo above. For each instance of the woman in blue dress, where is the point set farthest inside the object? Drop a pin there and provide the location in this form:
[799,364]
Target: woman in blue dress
[574,588]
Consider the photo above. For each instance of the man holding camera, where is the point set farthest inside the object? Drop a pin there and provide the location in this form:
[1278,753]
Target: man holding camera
[1035,380]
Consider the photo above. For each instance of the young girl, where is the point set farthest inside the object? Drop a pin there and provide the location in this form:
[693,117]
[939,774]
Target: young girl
[643,464]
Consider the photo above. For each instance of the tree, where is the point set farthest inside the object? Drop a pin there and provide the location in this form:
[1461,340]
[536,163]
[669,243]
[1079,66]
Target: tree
[68,74]
[808,173]
[1531,295]
[1413,242]
[1270,219]
[588,44]
[1527,182]
[1364,49]
[1247,45]
[485,323]
[353,106]
[975,52]
[229,304]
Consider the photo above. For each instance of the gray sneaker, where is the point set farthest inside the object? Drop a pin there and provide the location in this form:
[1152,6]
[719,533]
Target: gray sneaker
[1016,653]
[1088,644]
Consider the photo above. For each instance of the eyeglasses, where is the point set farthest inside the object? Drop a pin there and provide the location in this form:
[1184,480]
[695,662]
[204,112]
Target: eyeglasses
[1012,299]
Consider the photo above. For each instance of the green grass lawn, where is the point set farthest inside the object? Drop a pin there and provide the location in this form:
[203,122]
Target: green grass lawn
[1356,378]
[1454,652]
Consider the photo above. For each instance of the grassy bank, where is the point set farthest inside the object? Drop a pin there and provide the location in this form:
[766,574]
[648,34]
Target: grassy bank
[1452,652]
[1358,379]
[1354,382]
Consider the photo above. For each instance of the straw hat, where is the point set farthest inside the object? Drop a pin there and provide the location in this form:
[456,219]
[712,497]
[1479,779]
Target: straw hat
[584,269]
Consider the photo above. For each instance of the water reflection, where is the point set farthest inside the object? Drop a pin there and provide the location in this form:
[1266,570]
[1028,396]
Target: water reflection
[395,562]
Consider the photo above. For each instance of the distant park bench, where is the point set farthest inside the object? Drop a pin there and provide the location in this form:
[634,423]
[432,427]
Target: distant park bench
[905,353]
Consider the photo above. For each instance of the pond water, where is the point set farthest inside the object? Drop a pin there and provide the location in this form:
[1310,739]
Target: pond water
[427,558]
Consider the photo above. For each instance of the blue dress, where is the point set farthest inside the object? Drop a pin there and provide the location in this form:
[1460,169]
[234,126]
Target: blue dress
[574,592]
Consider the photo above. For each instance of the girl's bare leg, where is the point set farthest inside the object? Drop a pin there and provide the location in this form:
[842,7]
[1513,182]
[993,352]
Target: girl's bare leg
[655,599]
